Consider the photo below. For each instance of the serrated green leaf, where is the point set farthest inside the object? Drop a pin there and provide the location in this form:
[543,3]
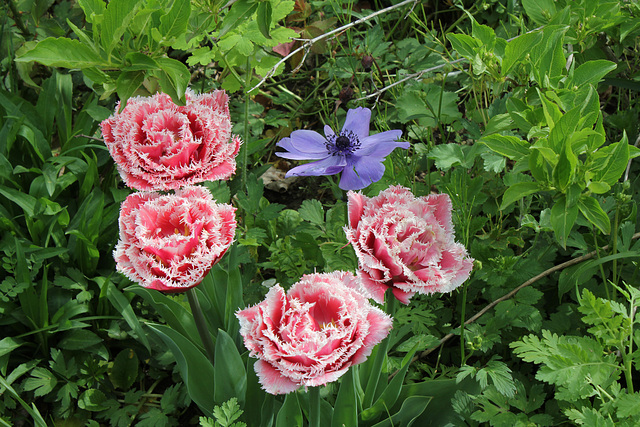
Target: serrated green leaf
[463,44]
[518,48]
[93,10]
[63,52]
[311,210]
[239,12]
[506,145]
[174,23]
[115,21]
[591,72]
[518,191]
[41,381]
[562,219]
[594,213]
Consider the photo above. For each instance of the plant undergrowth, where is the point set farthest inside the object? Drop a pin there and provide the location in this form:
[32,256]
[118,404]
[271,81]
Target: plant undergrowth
[525,113]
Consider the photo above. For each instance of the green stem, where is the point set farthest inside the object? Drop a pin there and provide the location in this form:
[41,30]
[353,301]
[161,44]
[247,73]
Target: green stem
[604,279]
[245,147]
[614,248]
[201,323]
[462,320]
[314,406]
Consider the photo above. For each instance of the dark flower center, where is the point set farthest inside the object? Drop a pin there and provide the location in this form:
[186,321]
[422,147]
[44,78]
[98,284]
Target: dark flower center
[343,144]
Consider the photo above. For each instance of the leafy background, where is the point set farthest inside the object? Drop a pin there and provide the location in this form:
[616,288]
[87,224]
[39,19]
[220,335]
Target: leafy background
[525,113]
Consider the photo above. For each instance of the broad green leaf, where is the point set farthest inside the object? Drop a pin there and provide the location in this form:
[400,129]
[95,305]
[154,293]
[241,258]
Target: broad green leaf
[594,213]
[311,210]
[465,45]
[127,84]
[25,201]
[484,34]
[411,409]
[123,306]
[518,191]
[539,167]
[552,112]
[93,10]
[391,392]
[507,145]
[172,312]
[591,72]
[63,52]
[290,414]
[598,187]
[264,18]
[346,412]
[229,373]
[8,344]
[610,162]
[139,61]
[239,12]
[175,79]
[124,371]
[540,11]
[79,339]
[565,168]
[196,370]
[518,48]
[92,400]
[174,23]
[562,219]
[115,21]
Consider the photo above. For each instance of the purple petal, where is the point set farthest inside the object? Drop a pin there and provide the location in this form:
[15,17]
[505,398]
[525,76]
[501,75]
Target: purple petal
[328,132]
[329,166]
[381,144]
[358,122]
[367,170]
[305,141]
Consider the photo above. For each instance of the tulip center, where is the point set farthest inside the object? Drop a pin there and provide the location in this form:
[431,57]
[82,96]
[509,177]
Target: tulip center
[343,144]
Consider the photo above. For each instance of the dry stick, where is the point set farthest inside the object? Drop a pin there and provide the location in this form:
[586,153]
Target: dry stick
[511,294]
[309,42]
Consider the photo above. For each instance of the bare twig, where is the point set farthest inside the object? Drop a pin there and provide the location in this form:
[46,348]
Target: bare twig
[419,74]
[309,42]
[489,306]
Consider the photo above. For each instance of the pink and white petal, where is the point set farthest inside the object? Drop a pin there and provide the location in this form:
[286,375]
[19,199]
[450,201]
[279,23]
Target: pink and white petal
[356,203]
[272,380]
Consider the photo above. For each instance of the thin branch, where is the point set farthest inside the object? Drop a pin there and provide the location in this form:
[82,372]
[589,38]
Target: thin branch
[510,295]
[309,42]
[419,74]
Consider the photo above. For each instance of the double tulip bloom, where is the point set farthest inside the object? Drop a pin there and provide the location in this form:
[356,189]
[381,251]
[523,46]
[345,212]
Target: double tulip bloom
[170,242]
[158,145]
[405,243]
[312,334]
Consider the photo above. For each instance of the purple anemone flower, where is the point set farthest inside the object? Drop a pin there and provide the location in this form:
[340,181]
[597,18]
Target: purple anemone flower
[353,151]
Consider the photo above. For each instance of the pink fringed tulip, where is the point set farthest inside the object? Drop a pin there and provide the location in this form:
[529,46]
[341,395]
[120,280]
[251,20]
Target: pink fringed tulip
[312,334]
[159,145]
[405,243]
[170,242]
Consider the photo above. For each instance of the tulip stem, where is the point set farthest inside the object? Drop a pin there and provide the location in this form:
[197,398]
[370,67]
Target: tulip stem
[201,323]
[314,406]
